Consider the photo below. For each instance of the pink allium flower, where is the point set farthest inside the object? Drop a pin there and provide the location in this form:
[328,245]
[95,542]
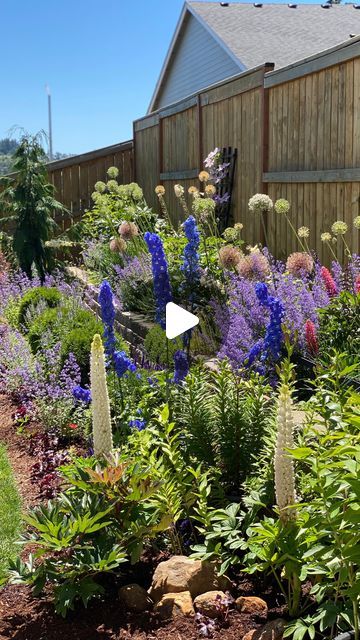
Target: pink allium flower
[255,265]
[311,338]
[117,245]
[128,230]
[328,281]
[299,264]
[229,257]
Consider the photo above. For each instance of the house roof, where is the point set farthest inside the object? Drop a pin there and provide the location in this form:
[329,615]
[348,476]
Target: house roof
[252,35]
[275,32]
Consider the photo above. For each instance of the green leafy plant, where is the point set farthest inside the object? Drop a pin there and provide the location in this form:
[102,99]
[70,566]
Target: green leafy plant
[223,537]
[225,418]
[78,341]
[340,329]
[28,198]
[158,348]
[48,296]
[102,521]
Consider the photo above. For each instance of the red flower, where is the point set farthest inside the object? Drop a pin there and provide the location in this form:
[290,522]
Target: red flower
[72,425]
[357,285]
[311,339]
[329,282]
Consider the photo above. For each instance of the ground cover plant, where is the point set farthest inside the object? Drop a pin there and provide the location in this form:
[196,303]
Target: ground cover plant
[250,460]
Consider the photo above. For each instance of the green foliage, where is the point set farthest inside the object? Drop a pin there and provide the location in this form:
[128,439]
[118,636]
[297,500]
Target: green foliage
[78,340]
[225,418]
[113,203]
[48,321]
[28,199]
[223,537]
[47,295]
[10,513]
[102,521]
[339,328]
[185,489]
[158,348]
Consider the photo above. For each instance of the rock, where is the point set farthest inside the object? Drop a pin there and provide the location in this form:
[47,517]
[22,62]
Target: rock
[183,574]
[175,605]
[135,598]
[273,630]
[253,606]
[207,603]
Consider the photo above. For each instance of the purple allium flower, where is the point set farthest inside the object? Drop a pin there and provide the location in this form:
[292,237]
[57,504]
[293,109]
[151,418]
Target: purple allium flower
[123,363]
[106,301]
[81,394]
[181,366]
[162,287]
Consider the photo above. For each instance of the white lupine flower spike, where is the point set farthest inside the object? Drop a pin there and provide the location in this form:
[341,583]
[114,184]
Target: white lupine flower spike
[102,432]
[284,467]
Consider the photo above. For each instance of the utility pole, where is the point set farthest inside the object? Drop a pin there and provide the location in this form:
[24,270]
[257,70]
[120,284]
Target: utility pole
[50,123]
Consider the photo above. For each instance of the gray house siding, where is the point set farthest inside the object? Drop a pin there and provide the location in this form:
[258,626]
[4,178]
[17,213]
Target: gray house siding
[198,62]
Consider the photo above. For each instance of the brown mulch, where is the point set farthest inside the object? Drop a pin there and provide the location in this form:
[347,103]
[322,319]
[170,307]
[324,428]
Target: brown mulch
[23,617]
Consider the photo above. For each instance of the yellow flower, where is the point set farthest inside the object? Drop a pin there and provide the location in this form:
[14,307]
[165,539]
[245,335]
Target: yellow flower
[282,206]
[357,222]
[193,191]
[160,190]
[325,237]
[303,232]
[339,228]
[204,176]
[210,190]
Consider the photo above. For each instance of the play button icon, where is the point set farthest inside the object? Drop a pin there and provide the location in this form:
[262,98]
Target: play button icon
[178,320]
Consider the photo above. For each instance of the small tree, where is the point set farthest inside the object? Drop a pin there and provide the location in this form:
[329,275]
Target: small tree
[28,199]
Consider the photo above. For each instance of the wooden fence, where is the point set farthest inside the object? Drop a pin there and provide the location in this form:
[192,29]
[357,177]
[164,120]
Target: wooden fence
[74,178]
[297,131]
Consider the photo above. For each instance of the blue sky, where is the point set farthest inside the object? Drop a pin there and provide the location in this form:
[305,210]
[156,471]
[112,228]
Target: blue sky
[100,59]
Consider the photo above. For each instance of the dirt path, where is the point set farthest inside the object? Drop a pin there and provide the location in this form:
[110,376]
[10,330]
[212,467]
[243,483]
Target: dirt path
[19,457]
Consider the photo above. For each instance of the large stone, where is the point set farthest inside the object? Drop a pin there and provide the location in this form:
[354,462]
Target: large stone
[175,605]
[135,598]
[253,606]
[208,603]
[183,574]
[273,630]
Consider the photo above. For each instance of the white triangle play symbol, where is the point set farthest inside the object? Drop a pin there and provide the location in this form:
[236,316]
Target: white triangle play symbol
[178,320]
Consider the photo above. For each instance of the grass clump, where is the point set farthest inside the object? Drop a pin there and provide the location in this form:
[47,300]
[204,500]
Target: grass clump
[10,513]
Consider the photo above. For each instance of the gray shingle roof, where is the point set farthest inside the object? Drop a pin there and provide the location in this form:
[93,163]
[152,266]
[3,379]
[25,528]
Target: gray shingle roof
[276,33]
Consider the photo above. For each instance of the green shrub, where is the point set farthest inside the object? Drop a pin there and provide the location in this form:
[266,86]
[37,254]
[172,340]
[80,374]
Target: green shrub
[339,329]
[78,340]
[158,348]
[48,321]
[51,296]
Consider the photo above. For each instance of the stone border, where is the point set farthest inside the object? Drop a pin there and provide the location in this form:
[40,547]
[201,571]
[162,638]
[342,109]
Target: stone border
[132,326]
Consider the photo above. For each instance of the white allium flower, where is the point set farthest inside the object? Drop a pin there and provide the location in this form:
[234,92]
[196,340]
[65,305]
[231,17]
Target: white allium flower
[357,222]
[179,190]
[102,432]
[284,467]
[100,186]
[260,202]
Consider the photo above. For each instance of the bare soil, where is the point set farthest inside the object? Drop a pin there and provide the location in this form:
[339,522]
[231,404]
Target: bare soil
[23,617]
